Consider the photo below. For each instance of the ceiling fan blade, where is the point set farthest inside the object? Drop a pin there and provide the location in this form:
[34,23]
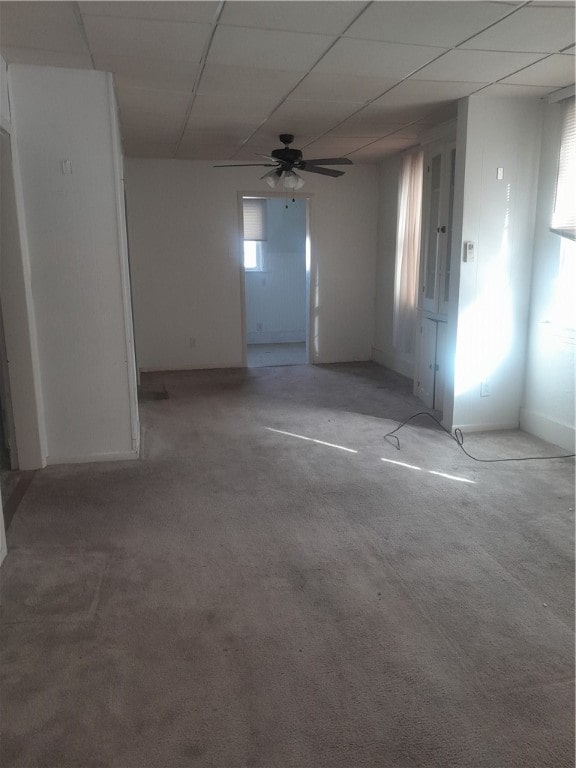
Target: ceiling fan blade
[330,161]
[268,157]
[246,165]
[324,171]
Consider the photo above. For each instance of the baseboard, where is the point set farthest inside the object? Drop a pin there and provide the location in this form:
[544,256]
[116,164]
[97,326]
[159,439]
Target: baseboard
[485,427]
[547,429]
[93,457]
[202,367]
[276,337]
[398,363]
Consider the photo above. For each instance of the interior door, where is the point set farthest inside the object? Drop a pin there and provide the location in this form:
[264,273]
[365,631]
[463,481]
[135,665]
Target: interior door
[427,362]
[448,216]
[431,239]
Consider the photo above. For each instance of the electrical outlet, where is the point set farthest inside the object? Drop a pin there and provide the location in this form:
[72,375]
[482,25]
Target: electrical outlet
[484,389]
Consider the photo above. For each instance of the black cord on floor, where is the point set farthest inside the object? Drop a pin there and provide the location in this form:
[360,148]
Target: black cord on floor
[458,438]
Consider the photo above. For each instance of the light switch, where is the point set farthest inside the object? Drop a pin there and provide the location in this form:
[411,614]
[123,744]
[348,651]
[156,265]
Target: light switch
[468,251]
[66,167]
[499,173]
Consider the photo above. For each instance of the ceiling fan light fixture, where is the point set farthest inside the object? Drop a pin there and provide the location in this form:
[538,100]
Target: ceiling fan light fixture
[272,181]
[291,180]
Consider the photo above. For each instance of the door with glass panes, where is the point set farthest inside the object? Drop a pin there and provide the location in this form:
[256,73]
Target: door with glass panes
[434,289]
[438,203]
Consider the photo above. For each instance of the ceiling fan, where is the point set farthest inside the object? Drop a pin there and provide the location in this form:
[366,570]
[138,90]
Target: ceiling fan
[286,161]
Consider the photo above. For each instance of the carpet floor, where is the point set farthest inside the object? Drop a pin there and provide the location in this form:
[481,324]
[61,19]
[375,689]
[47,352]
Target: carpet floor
[273,585]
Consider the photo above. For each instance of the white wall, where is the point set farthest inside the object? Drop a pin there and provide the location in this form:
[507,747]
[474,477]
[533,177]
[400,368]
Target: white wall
[384,352]
[4,101]
[74,239]
[548,409]
[16,299]
[185,254]
[276,296]
[487,326]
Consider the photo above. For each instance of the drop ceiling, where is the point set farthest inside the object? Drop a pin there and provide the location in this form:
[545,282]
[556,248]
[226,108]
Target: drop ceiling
[220,80]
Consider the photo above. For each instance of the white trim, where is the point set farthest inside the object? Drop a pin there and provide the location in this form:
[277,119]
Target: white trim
[123,262]
[93,457]
[561,94]
[239,255]
[35,456]
[547,429]
[485,427]
[202,367]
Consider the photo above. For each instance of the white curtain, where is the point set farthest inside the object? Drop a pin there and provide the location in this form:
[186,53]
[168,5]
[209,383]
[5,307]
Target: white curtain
[407,253]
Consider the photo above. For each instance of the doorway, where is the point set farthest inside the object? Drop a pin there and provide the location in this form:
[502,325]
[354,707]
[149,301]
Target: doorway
[275,262]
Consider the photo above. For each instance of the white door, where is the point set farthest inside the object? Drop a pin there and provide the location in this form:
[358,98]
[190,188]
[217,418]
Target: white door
[427,362]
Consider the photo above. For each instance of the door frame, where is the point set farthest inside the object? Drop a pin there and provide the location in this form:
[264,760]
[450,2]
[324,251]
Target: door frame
[310,265]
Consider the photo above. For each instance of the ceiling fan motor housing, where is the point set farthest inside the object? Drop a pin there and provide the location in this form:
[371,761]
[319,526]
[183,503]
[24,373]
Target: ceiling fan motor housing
[287,155]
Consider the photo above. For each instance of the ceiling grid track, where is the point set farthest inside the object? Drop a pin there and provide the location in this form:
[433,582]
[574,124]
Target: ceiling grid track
[201,67]
[287,96]
[404,79]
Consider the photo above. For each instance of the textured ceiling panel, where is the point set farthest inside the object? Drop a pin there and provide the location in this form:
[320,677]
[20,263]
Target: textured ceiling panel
[45,26]
[545,30]
[327,18]
[141,38]
[211,80]
[443,24]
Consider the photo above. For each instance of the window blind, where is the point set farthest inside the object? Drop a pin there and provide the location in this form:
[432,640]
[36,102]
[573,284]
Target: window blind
[254,218]
[564,216]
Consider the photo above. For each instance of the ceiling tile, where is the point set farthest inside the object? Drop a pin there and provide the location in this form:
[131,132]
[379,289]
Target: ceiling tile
[45,26]
[370,122]
[506,90]
[168,40]
[247,108]
[203,123]
[234,80]
[530,29]
[339,87]
[475,66]
[145,126]
[291,51]
[163,102]
[375,59]
[415,94]
[149,73]
[443,24]
[232,137]
[382,148]
[294,116]
[47,58]
[329,146]
[377,119]
[360,127]
[190,148]
[555,71]
[328,18]
[166,10]
[148,149]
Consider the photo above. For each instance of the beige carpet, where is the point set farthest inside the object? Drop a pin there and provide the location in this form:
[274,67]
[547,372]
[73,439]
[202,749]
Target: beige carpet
[262,590]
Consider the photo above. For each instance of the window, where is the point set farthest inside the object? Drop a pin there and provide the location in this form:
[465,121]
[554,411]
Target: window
[564,215]
[254,212]
[253,255]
